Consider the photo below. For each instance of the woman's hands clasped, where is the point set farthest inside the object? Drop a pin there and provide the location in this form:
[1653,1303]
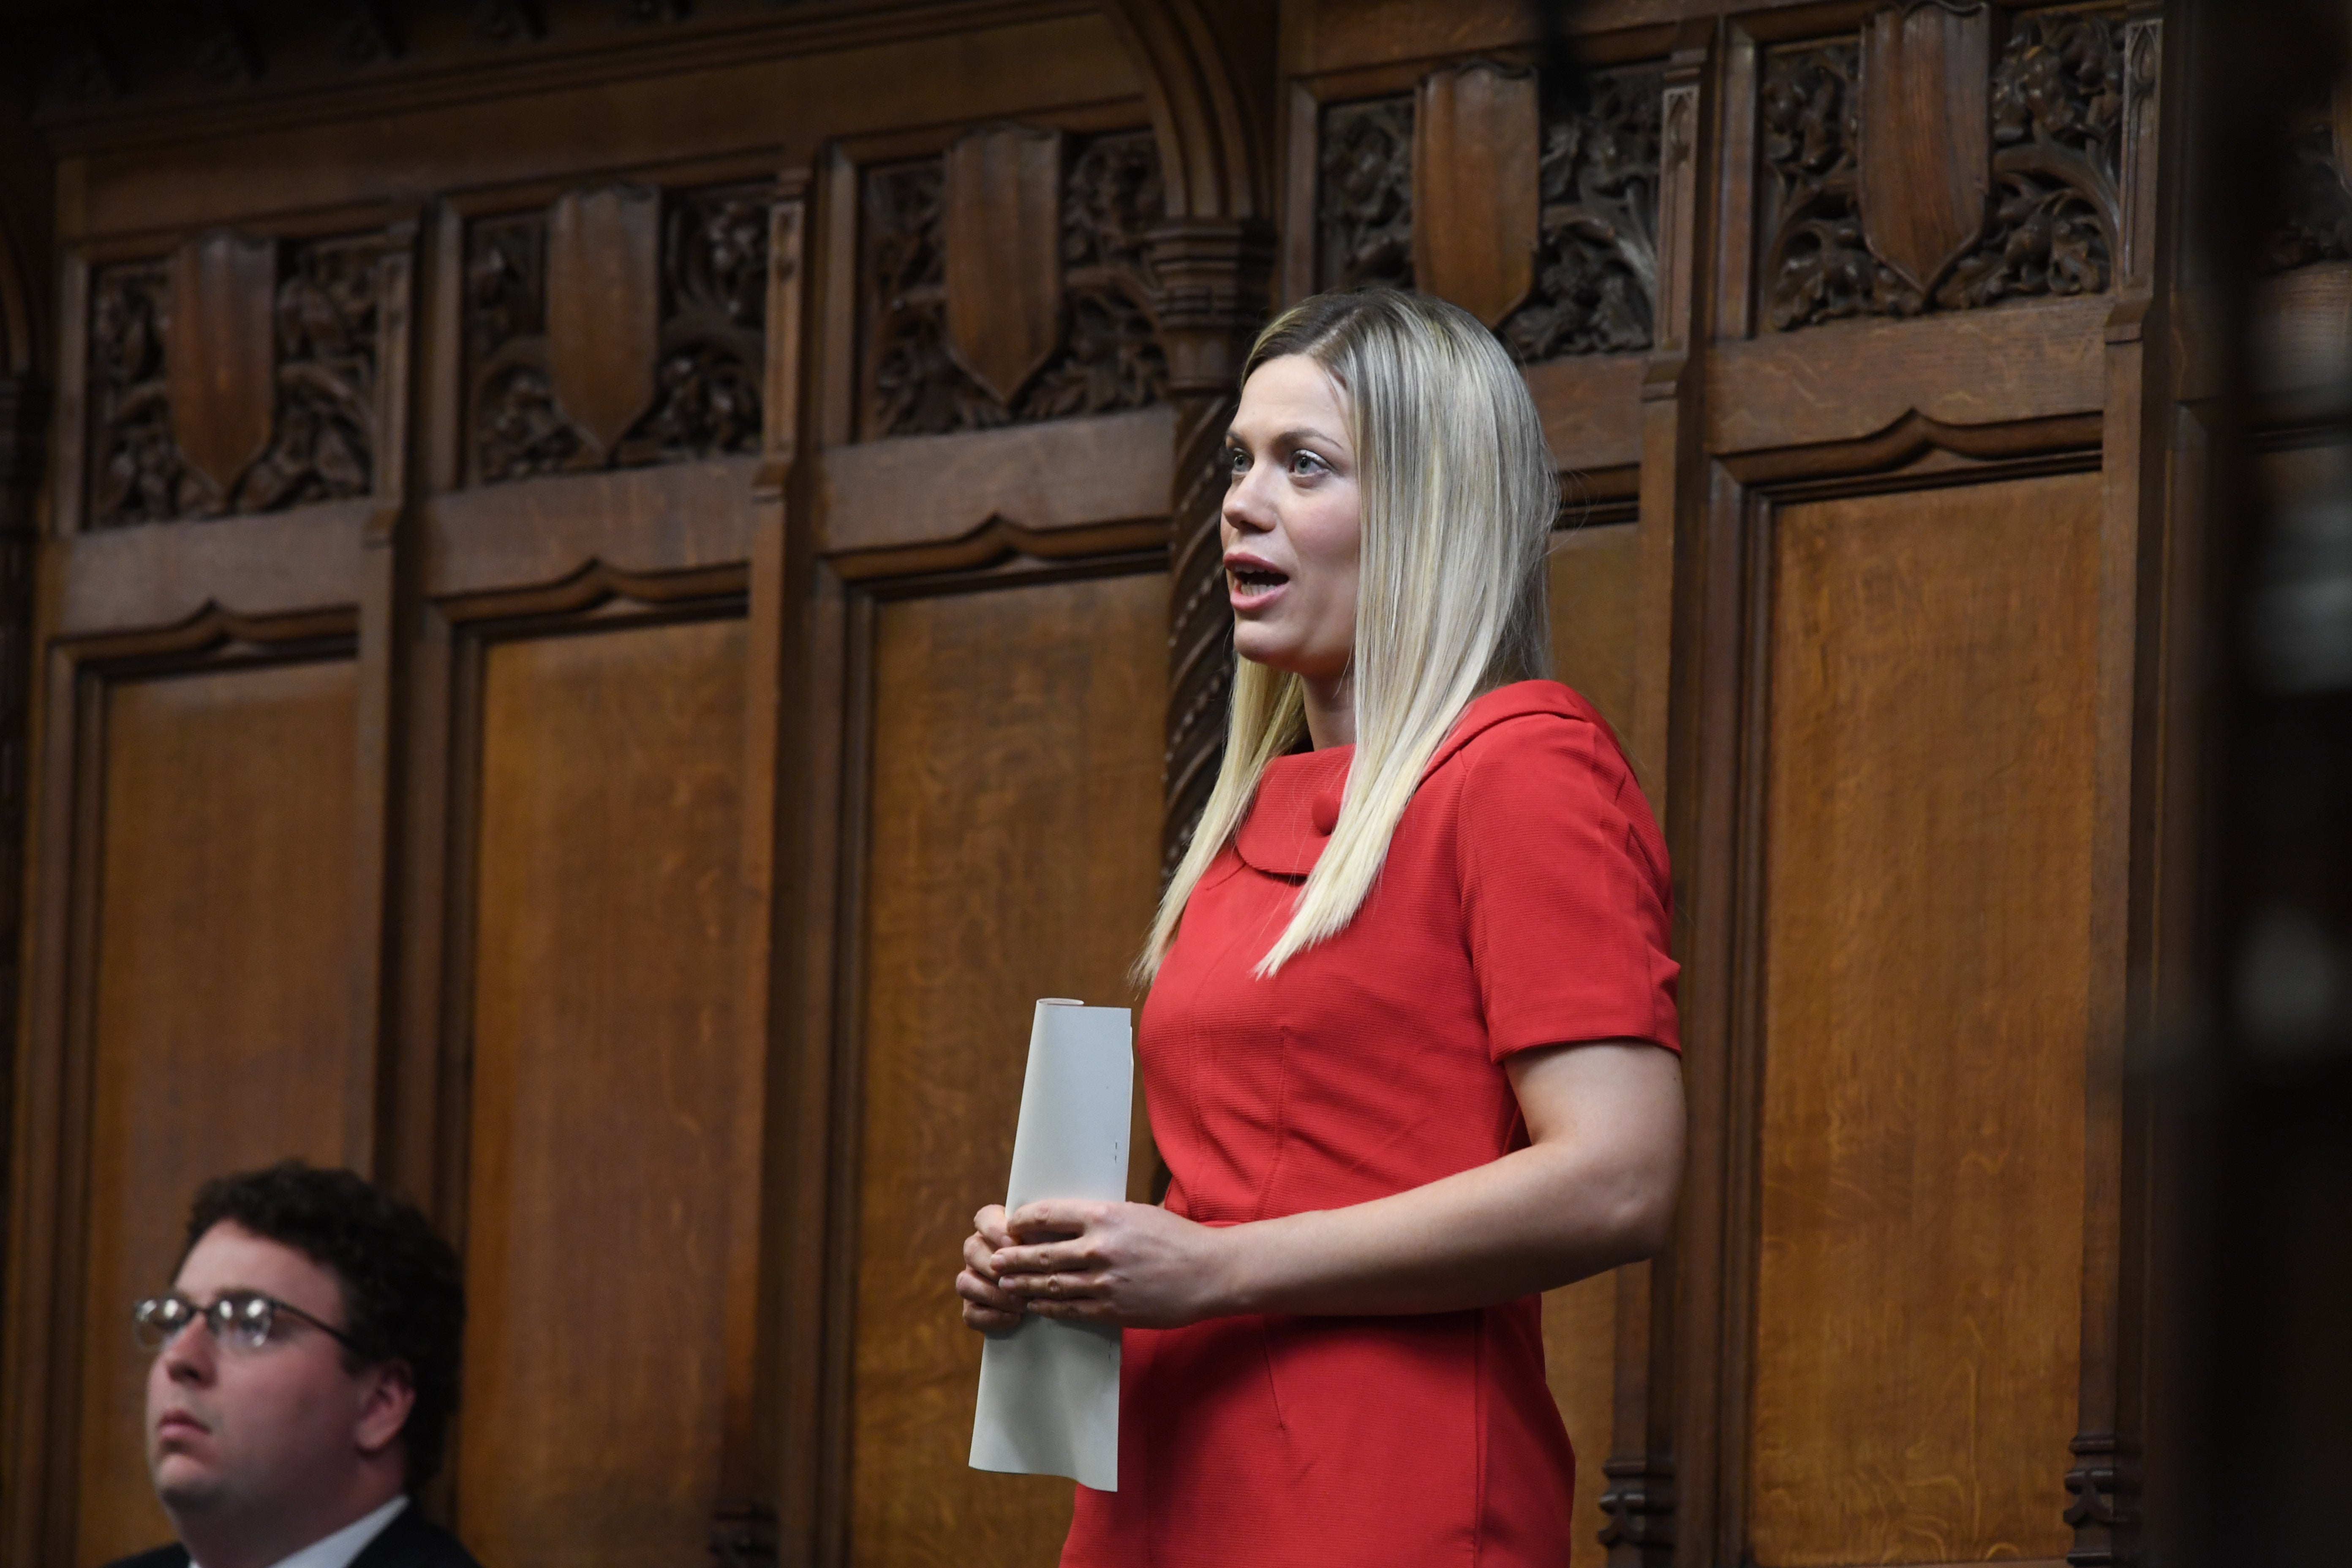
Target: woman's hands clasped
[1133,1265]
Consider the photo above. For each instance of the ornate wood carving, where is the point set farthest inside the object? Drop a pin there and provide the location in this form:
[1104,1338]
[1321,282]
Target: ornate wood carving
[1640,1503]
[1000,208]
[604,307]
[218,379]
[1595,181]
[704,358]
[1109,356]
[1363,195]
[330,339]
[2056,97]
[1475,187]
[2318,222]
[1924,167]
[1213,275]
[2105,1512]
[1597,277]
[316,392]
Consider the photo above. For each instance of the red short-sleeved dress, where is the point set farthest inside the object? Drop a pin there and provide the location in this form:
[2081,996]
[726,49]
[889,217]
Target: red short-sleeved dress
[1523,901]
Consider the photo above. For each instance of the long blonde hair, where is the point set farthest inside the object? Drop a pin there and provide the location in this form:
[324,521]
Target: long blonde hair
[1459,495]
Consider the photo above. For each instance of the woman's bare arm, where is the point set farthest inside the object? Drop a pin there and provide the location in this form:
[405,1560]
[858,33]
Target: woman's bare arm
[1595,1188]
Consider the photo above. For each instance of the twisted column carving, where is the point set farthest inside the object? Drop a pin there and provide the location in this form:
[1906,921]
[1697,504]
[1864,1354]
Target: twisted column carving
[1212,274]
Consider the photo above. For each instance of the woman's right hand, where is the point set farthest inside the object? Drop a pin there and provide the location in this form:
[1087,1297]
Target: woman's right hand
[987,1306]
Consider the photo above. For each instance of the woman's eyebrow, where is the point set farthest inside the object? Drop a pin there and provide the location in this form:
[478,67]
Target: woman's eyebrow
[1299,437]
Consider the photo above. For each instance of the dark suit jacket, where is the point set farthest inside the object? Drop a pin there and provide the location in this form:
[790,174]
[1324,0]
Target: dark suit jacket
[410,1541]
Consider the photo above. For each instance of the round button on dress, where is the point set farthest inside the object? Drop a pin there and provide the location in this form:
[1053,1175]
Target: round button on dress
[1523,901]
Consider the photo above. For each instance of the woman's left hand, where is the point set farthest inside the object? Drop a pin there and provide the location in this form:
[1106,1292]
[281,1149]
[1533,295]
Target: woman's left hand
[1134,1264]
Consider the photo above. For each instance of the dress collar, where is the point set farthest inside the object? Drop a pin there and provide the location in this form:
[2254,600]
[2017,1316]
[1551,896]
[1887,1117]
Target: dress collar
[1297,800]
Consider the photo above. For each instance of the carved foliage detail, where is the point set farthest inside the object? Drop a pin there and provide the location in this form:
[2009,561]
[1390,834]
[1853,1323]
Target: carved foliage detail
[323,431]
[2057,106]
[2318,222]
[712,354]
[1363,195]
[1597,274]
[1109,356]
[1597,264]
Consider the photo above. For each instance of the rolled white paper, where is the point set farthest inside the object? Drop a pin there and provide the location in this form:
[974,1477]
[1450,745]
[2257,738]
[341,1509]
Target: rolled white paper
[1049,1391]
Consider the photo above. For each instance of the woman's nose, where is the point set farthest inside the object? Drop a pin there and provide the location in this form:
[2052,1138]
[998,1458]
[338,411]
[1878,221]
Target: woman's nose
[1246,505]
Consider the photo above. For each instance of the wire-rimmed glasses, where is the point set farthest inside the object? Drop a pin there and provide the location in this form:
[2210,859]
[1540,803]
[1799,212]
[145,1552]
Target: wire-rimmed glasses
[240,1320]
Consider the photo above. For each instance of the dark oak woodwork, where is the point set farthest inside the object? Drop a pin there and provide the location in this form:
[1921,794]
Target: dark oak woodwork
[618,588]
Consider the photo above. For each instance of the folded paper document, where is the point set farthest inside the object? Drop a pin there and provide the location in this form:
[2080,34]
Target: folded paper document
[1049,1391]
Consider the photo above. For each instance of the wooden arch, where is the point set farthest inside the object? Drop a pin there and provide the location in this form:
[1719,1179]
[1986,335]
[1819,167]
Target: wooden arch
[1208,72]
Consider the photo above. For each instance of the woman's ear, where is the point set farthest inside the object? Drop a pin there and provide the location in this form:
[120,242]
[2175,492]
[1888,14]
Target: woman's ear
[387,1394]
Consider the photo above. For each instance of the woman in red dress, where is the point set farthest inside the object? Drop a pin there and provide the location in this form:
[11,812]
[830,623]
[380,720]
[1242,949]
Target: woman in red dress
[1410,1050]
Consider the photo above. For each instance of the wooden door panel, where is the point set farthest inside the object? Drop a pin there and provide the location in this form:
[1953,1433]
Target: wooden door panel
[1015,812]
[1925,979]
[222,1029]
[615,1113]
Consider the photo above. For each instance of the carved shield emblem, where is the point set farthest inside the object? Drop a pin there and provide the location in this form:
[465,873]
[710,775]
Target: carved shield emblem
[220,365]
[1927,139]
[1476,196]
[1001,250]
[604,306]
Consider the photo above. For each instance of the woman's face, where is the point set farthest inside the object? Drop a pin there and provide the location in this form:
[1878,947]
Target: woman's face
[1293,522]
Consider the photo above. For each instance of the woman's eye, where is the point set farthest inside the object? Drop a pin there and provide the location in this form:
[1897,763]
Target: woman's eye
[1304,464]
[1236,461]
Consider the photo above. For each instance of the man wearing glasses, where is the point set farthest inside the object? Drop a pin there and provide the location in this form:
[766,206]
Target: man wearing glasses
[306,1368]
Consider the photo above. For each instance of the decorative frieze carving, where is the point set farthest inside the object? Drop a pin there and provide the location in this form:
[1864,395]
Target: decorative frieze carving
[318,441]
[2318,225]
[136,473]
[329,339]
[707,359]
[2050,215]
[1597,274]
[1363,195]
[1639,1504]
[1596,267]
[1108,356]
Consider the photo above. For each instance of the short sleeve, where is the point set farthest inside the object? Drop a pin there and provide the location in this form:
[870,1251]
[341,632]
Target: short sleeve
[1567,901]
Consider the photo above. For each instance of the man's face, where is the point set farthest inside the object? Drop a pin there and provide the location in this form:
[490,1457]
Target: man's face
[260,1429]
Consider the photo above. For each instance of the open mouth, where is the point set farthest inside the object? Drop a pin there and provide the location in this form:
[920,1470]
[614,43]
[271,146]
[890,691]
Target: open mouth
[1250,580]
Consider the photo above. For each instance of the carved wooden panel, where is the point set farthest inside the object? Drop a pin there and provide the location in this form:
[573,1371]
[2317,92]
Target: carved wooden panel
[1925,951]
[218,383]
[2318,222]
[1363,195]
[324,305]
[604,307]
[1476,131]
[614,1124]
[2057,96]
[1001,232]
[1595,281]
[1923,169]
[1108,356]
[709,349]
[221,1022]
[1014,805]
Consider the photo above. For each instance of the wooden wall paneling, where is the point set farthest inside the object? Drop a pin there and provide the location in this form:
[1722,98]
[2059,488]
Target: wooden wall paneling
[163,755]
[1011,775]
[2105,1478]
[1639,1468]
[611,1189]
[746,1520]
[1745,1402]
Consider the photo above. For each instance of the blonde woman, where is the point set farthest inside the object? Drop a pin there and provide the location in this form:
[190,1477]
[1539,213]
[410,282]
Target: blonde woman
[1410,1048]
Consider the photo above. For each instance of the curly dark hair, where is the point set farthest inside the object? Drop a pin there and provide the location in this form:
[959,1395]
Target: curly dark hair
[404,1290]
